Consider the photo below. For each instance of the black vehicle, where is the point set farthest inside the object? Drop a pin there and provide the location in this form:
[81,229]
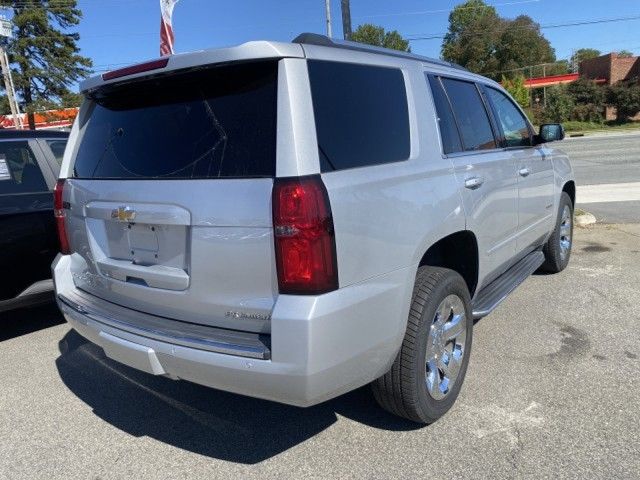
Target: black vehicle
[29,166]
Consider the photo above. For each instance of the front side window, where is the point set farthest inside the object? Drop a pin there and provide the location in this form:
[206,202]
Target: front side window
[361,114]
[513,123]
[19,171]
[471,115]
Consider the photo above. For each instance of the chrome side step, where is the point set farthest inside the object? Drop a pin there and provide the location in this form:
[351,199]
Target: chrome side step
[493,294]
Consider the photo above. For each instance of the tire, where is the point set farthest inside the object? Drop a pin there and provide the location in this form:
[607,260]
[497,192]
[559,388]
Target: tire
[439,296]
[557,250]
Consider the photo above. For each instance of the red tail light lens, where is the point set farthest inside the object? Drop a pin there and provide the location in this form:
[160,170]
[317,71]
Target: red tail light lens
[59,213]
[304,236]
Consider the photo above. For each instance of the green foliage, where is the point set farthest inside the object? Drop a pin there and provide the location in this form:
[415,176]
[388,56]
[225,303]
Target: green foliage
[5,108]
[70,100]
[626,99]
[521,44]
[515,86]
[480,40]
[44,53]
[560,105]
[474,32]
[589,99]
[625,54]
[375,35]
[583,54]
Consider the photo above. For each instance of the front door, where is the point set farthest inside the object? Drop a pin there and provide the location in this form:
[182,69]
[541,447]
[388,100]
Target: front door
[534,171]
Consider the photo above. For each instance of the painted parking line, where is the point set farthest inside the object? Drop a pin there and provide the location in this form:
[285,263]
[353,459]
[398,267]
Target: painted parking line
[608,192]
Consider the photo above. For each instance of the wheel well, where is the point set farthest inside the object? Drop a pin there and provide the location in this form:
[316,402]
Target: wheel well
[459,252]
[570,188]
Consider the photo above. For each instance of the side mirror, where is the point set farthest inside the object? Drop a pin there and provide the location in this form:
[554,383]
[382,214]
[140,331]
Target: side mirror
[550,132]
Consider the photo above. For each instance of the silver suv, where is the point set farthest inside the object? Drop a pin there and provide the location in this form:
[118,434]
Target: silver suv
[294,221]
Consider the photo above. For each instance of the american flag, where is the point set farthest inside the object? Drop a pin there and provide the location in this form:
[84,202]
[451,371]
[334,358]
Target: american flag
[166,30]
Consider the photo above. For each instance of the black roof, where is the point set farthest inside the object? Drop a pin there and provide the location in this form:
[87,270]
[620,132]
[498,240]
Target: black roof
[22,134]
[324,41]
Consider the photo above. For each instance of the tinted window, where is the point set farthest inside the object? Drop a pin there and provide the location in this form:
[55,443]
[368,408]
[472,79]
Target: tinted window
[19,171]
[361,114]
[513,123]
[448,130]
[57,147]
[207,124]
[470,114]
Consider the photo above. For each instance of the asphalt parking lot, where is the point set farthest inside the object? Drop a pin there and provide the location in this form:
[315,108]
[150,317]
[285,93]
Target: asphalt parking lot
[552,391]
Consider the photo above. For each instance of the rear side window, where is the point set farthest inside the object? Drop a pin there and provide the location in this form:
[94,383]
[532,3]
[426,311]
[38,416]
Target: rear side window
[514,125]
[19,171]
[57,148]
[471,115]
[213,123]
[448,129]
[361,114]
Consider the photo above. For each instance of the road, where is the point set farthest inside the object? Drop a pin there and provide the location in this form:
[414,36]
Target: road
[552,391]
[604,160]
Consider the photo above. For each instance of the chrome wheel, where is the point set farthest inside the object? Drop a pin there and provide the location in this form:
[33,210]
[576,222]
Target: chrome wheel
[446,346]
[565,232]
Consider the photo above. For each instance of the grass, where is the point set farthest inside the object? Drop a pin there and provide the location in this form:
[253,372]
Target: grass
[593,127]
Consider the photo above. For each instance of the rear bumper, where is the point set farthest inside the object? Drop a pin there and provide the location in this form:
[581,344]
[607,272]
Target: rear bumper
[320,346]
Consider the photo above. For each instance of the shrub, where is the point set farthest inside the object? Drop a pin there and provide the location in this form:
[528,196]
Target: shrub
[560,105]
[626,99]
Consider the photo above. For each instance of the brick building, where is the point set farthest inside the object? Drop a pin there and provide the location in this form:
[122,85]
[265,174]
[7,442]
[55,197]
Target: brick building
[612,69]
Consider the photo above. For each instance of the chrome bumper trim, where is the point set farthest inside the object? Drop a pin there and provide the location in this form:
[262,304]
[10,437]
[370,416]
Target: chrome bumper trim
[200,337]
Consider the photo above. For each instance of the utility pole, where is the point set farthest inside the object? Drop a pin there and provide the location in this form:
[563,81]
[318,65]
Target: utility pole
[6,32]
[327,4]
[346,19]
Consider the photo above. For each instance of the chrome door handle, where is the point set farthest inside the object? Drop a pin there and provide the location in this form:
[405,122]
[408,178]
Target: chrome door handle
[473,183]
[524,172]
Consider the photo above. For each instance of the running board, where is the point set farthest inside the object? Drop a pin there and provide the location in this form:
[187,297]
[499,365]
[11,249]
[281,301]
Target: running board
[493,294]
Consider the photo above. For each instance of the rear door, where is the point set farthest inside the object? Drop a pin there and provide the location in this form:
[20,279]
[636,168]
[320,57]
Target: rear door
[484,171]
[170,195]
[27,231]
[535,171]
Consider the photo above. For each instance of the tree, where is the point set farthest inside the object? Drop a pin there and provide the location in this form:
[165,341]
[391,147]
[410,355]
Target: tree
[515,86]
[583,54]
[472,37]
[626,99]
[45,54]
[480,40]
[559,105]
[588,99]
[375,35]
[625,54]
[520,44]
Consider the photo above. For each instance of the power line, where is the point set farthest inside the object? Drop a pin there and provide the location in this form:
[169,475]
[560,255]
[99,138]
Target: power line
[417,37]
[448,10]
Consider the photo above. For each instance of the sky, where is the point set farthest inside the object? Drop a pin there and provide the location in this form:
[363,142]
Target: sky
[114,33]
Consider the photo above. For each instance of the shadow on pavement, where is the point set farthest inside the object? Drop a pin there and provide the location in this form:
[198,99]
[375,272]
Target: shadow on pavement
[199,419]
[23,321]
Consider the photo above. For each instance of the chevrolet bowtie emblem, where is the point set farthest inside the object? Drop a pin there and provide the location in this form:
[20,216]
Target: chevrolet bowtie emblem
[123,214]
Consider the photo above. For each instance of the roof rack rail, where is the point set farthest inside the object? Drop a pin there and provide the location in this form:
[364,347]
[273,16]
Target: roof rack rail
[324,41]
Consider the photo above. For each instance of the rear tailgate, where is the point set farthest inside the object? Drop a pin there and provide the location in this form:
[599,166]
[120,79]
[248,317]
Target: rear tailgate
[170,197]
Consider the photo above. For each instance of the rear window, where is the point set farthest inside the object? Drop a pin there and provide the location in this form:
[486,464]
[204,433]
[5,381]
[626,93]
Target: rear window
[213,123]
[361,114]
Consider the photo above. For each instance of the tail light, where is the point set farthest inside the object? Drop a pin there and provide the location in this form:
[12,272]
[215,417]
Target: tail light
[59,213]
[304,236]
